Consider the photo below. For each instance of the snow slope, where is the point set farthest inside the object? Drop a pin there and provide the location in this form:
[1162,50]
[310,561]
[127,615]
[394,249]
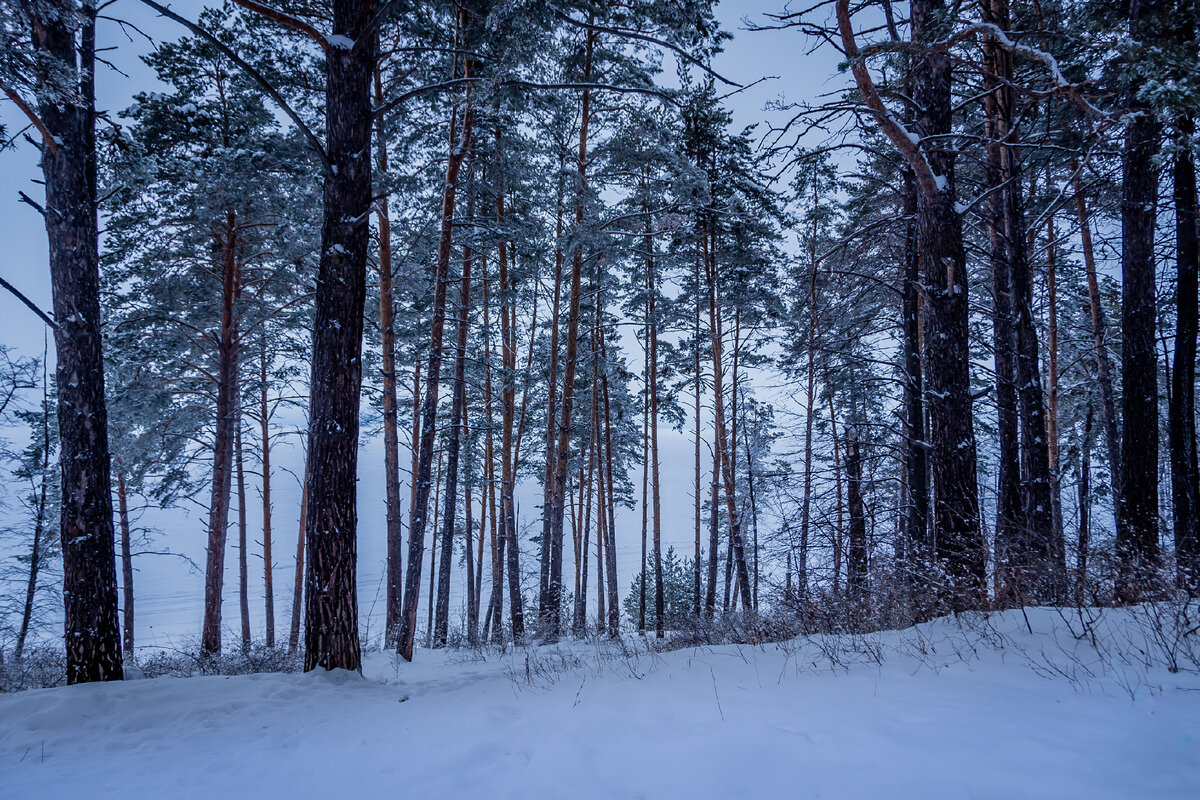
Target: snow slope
[979,710]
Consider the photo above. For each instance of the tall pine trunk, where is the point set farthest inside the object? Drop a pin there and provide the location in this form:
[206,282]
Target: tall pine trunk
[265,437]
[1185,474]
[331,591]
[91,627]
[552,606]
[960,544]
[458,410]
[223,444]
[391,433]
[1137,518]
[459,146]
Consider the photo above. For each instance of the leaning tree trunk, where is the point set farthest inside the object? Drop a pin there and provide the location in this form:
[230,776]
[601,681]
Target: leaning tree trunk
[331,592]
[1112,439]
[1137,518]
[91,627]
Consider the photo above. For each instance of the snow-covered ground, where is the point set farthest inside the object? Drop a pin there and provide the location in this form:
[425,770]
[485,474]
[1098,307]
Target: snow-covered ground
[951,709]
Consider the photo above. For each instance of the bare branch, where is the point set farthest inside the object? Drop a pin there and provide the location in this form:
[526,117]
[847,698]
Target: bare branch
[45,317]
[905,141]
[47,137]
[645,37]
[288,20]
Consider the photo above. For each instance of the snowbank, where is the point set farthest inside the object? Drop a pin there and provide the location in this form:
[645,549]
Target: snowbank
[975,708]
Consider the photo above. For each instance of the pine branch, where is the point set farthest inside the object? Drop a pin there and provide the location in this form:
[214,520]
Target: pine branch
[313,141]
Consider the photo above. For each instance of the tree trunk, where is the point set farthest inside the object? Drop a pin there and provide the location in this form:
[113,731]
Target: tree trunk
[391,435]
[91,627]
[458,410]
[1103,370]
[551,612]
[416,534]
[508,410]
[652,377]
[610,529]
[331,591]
[268,563]
[838,530]
[809,418]
[243,543]
[1137,520]
[735,532]
[1085,505]
[1052,440]
[646,377]
[551,412]
[1185,494]
[918,549]
[126,563]
[856,561]
[696,400]
[298,581]
[223,444]
[1009,531]
[957,532]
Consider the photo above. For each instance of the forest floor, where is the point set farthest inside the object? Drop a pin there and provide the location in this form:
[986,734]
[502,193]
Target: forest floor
[1030,705]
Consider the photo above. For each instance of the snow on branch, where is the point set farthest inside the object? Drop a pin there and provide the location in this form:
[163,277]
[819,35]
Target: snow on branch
[311,137]
[1048,60]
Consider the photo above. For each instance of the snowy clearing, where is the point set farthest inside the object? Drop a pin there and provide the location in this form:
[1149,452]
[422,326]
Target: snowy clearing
[970,708]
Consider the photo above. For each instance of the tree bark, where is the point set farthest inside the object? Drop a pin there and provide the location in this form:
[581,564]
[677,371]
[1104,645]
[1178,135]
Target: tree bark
[918,549]
[268,563]
[91,627]
[1137,519]
[243,543]
[856,561]
[391,434]
[126,564]
[960,543]
[1185,473]
[223,439]
[331,591]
